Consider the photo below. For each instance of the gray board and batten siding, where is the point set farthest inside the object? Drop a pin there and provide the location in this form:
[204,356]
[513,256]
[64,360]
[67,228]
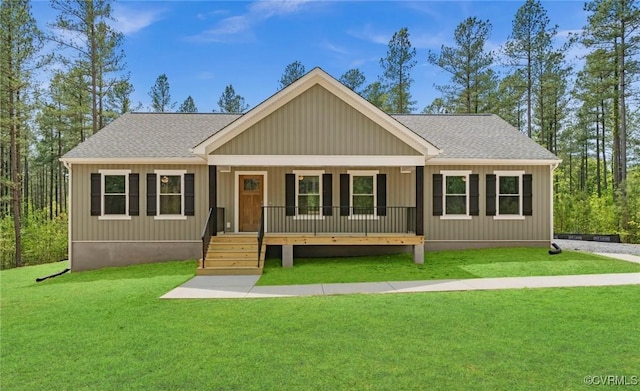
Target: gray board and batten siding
[303,127]
[485,231]
[99,243]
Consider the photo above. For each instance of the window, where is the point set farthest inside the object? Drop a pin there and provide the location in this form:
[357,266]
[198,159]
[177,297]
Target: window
[170,190]
[509,194]
[363,193]
[456,194]
[114,189]
[115,194]
[309,193]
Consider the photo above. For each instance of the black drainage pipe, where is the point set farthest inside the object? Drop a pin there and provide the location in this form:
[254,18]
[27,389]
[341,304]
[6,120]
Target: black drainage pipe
[53,275]
[556,249]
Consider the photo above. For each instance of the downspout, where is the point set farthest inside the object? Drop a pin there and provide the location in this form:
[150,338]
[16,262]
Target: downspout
[67,165]
[552,168]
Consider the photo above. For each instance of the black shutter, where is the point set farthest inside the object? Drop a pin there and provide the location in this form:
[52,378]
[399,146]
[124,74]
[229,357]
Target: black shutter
[344,194]
[96,205]
[491,195]
[151,195]
[134,194]
[437,194]
[474,195]
[327,195]
[527,196]
[290,194]
[189,195]
[381,194]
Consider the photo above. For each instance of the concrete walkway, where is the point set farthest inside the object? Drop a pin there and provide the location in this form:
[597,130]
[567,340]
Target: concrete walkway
[624,257]
[244,287]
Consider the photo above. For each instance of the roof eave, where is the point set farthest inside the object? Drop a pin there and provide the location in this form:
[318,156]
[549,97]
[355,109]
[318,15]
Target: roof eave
[134,160]
[493,162]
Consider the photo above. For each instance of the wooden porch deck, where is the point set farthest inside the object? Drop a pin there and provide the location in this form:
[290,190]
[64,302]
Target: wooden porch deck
[237,253]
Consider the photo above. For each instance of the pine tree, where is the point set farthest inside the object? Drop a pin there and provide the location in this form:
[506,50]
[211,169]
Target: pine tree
[230,102]
[396,68]
[614,26]
[472,79]
[20,42]
[161,95]
[119,99]
[354,79]
[86,30]
[292,72]
[188,106]
[528,47]
[378,96]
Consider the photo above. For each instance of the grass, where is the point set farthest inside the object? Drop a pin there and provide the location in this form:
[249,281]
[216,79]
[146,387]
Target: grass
[107,329]
[501,262]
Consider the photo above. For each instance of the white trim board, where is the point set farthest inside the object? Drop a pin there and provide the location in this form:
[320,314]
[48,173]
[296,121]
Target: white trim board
[490,162]
[136,160]
[316,160]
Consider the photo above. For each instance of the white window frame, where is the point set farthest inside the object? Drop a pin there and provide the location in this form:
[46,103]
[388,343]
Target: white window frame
[303,173]
[454,173]
[124,173]
[159,174]
[499,216]
[365,173]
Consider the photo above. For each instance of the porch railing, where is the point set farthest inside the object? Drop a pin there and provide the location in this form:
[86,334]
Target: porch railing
[338,219]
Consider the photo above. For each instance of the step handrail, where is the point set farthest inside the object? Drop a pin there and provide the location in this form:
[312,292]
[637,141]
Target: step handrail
[260,234]
[206,236]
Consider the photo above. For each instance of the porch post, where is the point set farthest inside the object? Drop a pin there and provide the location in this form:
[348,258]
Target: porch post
[419,200]
[287,255]
[213,198]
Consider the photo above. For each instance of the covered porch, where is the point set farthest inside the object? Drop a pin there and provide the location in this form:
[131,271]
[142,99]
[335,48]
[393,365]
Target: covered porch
[252,208]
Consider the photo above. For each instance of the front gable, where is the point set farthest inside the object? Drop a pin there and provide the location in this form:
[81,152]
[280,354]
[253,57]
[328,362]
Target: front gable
[316,122]
[316,115]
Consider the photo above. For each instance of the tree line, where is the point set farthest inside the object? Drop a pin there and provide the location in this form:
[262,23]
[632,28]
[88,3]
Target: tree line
[587,114]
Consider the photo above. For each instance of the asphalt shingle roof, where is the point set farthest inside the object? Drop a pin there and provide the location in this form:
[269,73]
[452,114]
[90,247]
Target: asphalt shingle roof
[151,135]
[474,136]
[172,135]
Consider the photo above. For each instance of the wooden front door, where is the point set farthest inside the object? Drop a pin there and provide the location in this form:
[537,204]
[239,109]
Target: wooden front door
[251,196]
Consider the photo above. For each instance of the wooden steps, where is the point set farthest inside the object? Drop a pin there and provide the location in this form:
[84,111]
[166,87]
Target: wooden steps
[232,255]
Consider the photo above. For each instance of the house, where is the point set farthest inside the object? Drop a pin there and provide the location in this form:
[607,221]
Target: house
[313,165]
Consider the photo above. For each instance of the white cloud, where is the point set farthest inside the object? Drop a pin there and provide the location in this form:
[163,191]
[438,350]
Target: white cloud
[419,40]
[129,21]
[423,7]
[334,48]
[369,33]
[207,15]
[428,41]
[206,75]
[238,28]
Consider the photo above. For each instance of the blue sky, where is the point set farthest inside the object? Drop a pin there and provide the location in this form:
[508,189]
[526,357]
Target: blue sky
[203,46]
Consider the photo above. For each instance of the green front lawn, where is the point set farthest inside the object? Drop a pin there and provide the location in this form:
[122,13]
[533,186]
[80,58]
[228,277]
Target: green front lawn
[501,262]
[108,330]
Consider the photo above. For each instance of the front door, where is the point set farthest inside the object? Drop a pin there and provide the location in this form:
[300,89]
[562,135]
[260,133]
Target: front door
[251,195]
